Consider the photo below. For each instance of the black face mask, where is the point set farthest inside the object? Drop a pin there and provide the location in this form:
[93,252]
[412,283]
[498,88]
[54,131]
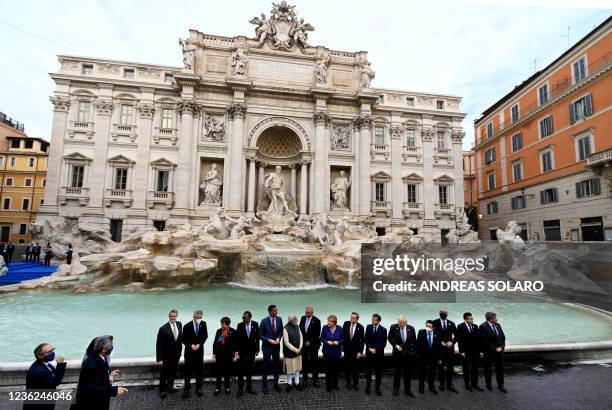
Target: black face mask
[443,316]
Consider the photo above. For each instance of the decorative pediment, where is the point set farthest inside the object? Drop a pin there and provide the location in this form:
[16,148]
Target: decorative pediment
[163,163]
[76,157]
[444,179]
[413,178]
[381,175]
[119,160]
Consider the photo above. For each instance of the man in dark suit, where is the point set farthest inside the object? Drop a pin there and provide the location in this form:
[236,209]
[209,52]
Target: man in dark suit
[310,326]
[468,339]
[168,352]
[95,387]
[271,335]
[353,342]
[195,334]
[43,375]
[248,349]
[375,340]
[447,330]
[428,346]
[493,345]
[402,337]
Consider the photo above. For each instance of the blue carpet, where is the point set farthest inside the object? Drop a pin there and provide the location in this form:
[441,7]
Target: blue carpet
[20,271]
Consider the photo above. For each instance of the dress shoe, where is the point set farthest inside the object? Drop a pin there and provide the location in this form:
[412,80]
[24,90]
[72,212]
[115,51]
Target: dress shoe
[163,395]
[239,394]
[172,389]
[216,392]
[477,388]
[378,392]
[288,388]
[503,389]
[356,387]
[199,392]
[315,384]
[422,390]
[395,392]
[368,390]
[468,388]
[490,388]
[409,393]
[227,391]
[452,388]
[276,388]
[185,394]
[433,390]
[251,391]
[442,387]
[265,390]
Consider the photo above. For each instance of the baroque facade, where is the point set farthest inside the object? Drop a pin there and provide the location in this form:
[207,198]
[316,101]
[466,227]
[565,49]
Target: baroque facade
[136,144]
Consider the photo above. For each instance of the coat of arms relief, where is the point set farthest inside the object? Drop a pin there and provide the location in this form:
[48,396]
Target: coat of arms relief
[283,30]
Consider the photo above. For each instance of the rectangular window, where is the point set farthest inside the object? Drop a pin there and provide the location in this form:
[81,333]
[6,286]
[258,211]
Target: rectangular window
[128,73]
[166,118]
[517,171]
[159,225]
[549,195]
[380,191]
[6,204]
[489,155]
[492,208]
[23,229]
[491,180]
[25,204]
[547,161]
[381,99]
[44,182]
[517,202]
[28,182]
[12,161]
[412,193]
[543,94]
[162,181]
[379,136]
[31,162]
[126,114]
[517,142]
[121,178]
[1,161]
[441,141]
[588,187]
[443,194]
[440,104]
[581,109]
[169,78]
[489,130]
[15,143]
[583,147]
[83,111]
[515,113]
[87,69]
[552,230]
[28,144]
[410,140]
[410,101]
[546,126]
[579,70]
[76,176]
[493,234]
[9,181]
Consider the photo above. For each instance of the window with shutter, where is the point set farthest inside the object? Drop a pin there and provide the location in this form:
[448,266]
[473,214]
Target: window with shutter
[579,193]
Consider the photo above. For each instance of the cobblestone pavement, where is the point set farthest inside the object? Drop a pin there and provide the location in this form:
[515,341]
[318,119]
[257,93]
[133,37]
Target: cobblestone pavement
[581,386]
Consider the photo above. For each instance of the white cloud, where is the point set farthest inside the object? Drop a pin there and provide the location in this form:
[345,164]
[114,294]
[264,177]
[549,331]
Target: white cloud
[476,49]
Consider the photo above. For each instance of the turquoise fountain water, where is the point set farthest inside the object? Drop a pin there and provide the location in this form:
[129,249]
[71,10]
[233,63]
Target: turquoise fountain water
[71,320]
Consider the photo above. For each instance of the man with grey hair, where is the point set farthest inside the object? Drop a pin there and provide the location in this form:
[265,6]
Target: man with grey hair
[195,334]
[402,338]
[168,350]
[43,374]
[95,387]
[310,325]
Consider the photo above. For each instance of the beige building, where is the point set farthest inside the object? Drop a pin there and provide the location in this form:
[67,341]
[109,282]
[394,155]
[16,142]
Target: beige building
[137,144]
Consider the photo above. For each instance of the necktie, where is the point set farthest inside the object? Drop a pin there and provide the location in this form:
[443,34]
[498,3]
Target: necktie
[174,332]
[375,329]
[495,330]
[444,325]
[469,328]
[403,335]
[197,328]
[273,326]
[307,324]
[429,341]
[51,368]
[352,331]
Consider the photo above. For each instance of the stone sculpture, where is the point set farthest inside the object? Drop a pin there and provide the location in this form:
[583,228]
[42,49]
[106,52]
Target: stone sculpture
[339,189]
[211,186]
[510,234]
[278,201]
[367,75]
[239,61]
[214,130]
[340,140]
[463,232]
[189,56]
[321,67]
[283,30]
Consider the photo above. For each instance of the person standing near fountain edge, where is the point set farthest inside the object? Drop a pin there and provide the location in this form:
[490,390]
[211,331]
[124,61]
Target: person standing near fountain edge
[43,375]
[375,342]
[310,325]
[448,332]
[293,341]
[271,330]
[195,334]
[248,349]
[168,350]
[353,336]
[494,344]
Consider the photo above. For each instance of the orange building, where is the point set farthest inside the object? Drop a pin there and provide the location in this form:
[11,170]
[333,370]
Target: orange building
[544,150]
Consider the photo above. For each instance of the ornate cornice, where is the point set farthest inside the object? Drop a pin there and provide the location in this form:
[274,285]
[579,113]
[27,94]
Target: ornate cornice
[60,103]
[145,110]
[103,106]
[322,118]
[237,110]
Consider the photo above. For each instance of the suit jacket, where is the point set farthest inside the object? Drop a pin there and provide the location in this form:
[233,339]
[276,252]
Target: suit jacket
[168,349]
[313,335]
[490,339]
[248,345]
[352,347]
[40,377]
[266,333]
[94,390]
[228,348]
[375,340]
[424,351]
[395,338]
[447,335]
[189,338]
[469,342]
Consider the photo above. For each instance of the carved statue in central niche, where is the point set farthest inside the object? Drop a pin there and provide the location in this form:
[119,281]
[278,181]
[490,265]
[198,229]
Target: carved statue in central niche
[278,201]
[339,189]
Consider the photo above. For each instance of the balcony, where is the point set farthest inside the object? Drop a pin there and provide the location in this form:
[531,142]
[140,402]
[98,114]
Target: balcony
[170,134]
[380,149]
[74,193]
[123,130]
[118,195]
[415,208]
[444,209]
[81,127]
[381,206]
[160,197]
[601,163]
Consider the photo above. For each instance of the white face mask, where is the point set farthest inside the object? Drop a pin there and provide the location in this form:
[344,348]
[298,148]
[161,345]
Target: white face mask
[198,321]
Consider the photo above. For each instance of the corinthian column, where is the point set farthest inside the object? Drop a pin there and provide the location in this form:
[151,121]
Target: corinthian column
[303,186]
[364,124]
[457,138]
[429,198]
[251,188]
[61,105]
[396,171]
[320,162]
[186,108]
[236,112]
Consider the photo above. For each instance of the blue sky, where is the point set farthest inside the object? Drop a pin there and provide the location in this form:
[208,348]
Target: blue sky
[477,49]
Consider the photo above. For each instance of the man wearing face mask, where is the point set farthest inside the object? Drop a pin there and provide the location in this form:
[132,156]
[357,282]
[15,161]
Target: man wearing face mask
[448,333]
[46,372]
[168,349]
[195,334]
[95,387]
[428,349]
